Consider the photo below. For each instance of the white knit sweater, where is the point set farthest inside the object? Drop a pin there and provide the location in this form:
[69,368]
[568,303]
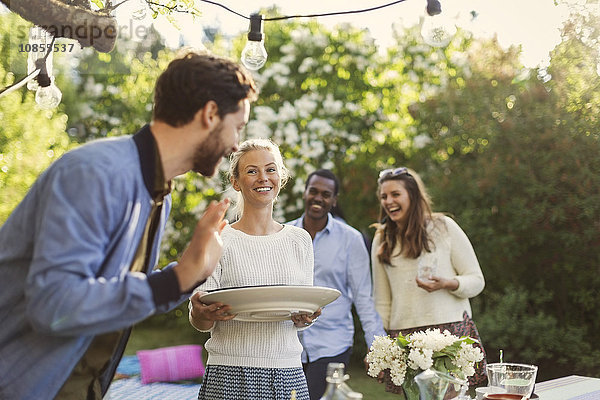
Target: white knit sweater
[282,258]
[403,305]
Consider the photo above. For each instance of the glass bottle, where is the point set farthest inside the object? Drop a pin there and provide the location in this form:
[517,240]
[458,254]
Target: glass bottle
[337,389]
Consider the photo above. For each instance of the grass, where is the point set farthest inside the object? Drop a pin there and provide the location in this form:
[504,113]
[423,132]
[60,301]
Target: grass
[147,336]
[371,390]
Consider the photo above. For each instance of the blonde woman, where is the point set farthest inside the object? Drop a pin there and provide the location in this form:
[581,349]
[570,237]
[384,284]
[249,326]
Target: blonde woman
[411,236]
[255,360]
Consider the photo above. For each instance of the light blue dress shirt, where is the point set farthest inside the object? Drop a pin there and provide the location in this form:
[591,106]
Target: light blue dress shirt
[65,254]
[342,263]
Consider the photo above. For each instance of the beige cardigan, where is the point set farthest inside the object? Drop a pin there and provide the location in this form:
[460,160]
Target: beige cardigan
[403,305]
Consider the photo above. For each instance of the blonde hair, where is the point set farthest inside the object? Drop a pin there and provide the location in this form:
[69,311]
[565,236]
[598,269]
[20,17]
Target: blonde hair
[246,147]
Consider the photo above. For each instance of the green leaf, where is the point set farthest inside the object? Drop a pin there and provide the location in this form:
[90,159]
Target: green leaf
[411,390]
[468,340]
[450,350]
[439,364]
[403,341]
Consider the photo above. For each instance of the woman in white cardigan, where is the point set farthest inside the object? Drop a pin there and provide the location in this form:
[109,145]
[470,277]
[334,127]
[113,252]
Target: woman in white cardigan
[409,238]
[255,360]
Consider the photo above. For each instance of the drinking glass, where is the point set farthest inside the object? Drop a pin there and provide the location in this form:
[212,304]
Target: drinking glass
[436,385]
[511,378]
[428,266]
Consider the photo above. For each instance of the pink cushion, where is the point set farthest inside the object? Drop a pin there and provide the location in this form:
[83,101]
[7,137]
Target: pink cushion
[171,363]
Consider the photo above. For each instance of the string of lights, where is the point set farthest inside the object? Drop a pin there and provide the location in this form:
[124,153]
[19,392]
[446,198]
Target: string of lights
[39,73]
[314,15]
[47,95]
[253,56]
[19,84]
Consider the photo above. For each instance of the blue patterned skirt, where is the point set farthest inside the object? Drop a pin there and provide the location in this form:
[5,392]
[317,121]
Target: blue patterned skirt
[224,382]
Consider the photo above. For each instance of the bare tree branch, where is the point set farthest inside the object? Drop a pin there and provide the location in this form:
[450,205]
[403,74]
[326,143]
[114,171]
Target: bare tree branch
[89,28]
[81,3]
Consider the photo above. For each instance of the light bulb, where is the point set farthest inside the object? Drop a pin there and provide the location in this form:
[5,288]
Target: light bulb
[254,55]
[141,8]
[39,40]
[48,97]
[437,30]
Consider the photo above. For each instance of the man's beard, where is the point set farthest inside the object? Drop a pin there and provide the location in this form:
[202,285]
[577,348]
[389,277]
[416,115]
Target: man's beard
[209,153]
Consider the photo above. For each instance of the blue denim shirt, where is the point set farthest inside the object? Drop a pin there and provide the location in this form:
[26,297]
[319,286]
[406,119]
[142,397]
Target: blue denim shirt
[65,254]
[342,263]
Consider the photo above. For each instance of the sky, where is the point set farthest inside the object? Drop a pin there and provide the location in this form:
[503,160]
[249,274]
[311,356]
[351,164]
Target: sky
[533,24]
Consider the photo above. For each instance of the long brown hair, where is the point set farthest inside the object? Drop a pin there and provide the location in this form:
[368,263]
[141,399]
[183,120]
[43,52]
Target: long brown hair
[413,237]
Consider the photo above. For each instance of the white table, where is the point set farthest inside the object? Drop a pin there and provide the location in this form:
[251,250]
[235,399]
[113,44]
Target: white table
[571,387]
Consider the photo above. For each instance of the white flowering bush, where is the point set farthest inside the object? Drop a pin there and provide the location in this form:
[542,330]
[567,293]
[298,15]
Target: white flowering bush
[312,103]
[408,356]
[330,99]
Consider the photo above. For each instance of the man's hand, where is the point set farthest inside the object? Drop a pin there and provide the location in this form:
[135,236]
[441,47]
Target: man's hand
[204,250]
[302,320]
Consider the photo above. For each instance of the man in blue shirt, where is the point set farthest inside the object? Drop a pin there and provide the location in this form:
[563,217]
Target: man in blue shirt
[77,254]
[342,263]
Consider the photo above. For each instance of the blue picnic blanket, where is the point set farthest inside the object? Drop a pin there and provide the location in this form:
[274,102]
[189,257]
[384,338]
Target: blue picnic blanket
[131,388]
[129,365]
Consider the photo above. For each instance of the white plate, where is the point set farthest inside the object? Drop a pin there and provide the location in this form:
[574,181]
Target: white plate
[272,303]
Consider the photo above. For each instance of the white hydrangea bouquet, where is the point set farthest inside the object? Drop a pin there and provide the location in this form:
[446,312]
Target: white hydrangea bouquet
[408,356]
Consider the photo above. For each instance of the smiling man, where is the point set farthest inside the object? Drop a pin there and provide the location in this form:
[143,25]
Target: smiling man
[342,263]
[77,254]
